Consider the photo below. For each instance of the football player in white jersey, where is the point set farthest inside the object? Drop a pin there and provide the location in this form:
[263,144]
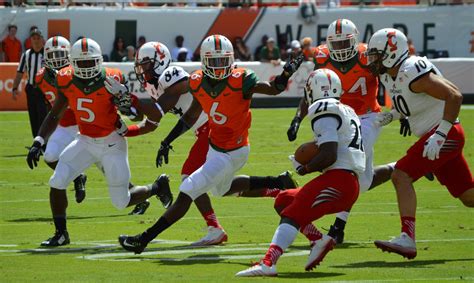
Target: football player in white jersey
[341,159]
[168,87]
[432,104]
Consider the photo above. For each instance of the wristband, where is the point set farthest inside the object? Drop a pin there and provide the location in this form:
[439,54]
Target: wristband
[444,128]
[39,139]
[281,81]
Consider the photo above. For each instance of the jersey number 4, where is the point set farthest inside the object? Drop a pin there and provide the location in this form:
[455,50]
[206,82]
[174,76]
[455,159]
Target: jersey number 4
[360,83]
[80,107]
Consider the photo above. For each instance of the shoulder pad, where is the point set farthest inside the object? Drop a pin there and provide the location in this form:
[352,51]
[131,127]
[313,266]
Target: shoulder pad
[171,76]
[64,76]
[235,80]
[414,67]
[195,80]
[321,55]
[325,108]
[39,75]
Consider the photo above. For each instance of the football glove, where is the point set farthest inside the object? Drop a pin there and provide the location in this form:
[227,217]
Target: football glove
[293,130]
[162,154]
[121,96]
[405,127]
[299,168]
[292,65]
[34,154]
[436,141]
[385,118]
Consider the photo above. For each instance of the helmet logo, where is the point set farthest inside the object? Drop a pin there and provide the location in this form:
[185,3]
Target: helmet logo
[391,37]
[160,52]
[84,44]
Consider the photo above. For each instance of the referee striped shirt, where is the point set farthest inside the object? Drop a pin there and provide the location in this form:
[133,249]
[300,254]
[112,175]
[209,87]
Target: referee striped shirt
[31,62]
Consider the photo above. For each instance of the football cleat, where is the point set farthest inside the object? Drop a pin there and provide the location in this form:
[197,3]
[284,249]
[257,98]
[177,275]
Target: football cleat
[80,187]
[337,234]
[59,239]
[132,243]
[287,180]
[140,208]
[164,192]
[429,176]
[215,236]
[258,269]
[319,250]
[403,245]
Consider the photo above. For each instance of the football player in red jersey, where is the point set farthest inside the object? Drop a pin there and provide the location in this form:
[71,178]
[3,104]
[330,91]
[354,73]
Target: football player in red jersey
[56,52]
[344,55]
[81,87]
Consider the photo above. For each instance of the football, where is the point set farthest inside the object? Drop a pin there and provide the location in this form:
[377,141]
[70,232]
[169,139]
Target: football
[306,152]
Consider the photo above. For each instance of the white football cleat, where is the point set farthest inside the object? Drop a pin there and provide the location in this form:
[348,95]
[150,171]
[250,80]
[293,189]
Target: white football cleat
[259,269]
[403,245]
[215,236]
[319,250]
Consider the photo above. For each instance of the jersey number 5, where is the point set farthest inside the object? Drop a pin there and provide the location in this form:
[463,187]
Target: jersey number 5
[217,117]
[80,107]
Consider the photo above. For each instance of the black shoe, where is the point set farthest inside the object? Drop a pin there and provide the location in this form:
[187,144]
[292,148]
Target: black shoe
[287,180]
[337,234]
[132,243]
[80,187]
[429,176]
[140,208]
[164,192]
[59,239]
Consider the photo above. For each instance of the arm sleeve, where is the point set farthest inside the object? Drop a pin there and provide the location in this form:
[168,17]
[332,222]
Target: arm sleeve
[325,130]
[22,65]
[249,81]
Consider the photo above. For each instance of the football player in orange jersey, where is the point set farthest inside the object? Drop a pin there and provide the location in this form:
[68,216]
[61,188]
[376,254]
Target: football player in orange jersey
[224,93]
[56,52]
[344,55]
[81,87]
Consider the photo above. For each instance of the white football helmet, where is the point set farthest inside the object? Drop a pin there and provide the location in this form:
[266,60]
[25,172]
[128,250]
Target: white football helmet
[342,40]
[387,48]
[322,83]
[217,57]
[151,60]
[56,52]
[86,58]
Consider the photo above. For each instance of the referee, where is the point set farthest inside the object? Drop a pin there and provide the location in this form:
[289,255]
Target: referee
[31,61]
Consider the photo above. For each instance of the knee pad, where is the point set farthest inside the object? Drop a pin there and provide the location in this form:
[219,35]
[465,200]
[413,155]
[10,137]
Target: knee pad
[52,153]
[60,178]
[120,196]
[282,200]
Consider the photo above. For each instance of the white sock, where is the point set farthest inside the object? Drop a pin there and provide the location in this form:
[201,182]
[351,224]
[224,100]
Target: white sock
[284,235]
[392,165]
[343,215]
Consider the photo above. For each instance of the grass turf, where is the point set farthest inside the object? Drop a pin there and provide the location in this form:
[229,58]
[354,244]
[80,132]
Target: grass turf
[445,228]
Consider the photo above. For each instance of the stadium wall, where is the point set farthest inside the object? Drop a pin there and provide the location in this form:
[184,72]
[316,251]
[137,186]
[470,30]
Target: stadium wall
[435,28]
[458,70]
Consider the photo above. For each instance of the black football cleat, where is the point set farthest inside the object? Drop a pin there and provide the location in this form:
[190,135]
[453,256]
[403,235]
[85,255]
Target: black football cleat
[287,180]
[132,243]
[337,234]
[80,187]
[164,192]
[140,208]
[59,239]
[430,176]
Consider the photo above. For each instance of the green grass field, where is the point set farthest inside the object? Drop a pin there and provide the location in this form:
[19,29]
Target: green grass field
[445,228]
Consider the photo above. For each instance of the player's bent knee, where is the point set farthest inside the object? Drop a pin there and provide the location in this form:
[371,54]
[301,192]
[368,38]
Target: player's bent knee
[120,196]
[467,198]
[50,157]
[60,178]
[399,177]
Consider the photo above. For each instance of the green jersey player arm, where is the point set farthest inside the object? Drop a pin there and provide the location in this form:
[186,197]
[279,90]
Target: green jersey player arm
[440,88]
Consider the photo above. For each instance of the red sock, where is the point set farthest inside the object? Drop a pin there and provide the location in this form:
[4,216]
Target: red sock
[272,193]
[408,226]
[211,219]
[272,255]
[311,232]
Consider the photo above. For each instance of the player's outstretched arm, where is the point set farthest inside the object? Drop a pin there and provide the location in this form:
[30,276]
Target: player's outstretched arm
[189,118]
[301,112]
[47,128]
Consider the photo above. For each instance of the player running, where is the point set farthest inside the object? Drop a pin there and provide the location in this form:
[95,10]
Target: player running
[168,87]
[81,87]
[341,159]
[432,105]
[224,93]
[56,52]
[344,55]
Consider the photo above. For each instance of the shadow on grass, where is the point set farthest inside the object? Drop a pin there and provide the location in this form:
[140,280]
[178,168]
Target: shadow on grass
[308,275]
[72,217]
[413,263]
[340,246]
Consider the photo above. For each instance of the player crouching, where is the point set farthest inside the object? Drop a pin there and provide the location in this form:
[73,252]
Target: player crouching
[341,158]
[81,87]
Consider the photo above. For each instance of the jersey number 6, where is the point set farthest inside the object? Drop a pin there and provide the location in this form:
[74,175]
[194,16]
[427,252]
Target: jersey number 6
[80,107]
[217,117]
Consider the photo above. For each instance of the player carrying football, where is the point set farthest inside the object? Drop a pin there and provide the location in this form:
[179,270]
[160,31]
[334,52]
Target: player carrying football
[341,159]
[224,93]
[344,55]
[432,104]
[56,52]
[81,87]
[168,87]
